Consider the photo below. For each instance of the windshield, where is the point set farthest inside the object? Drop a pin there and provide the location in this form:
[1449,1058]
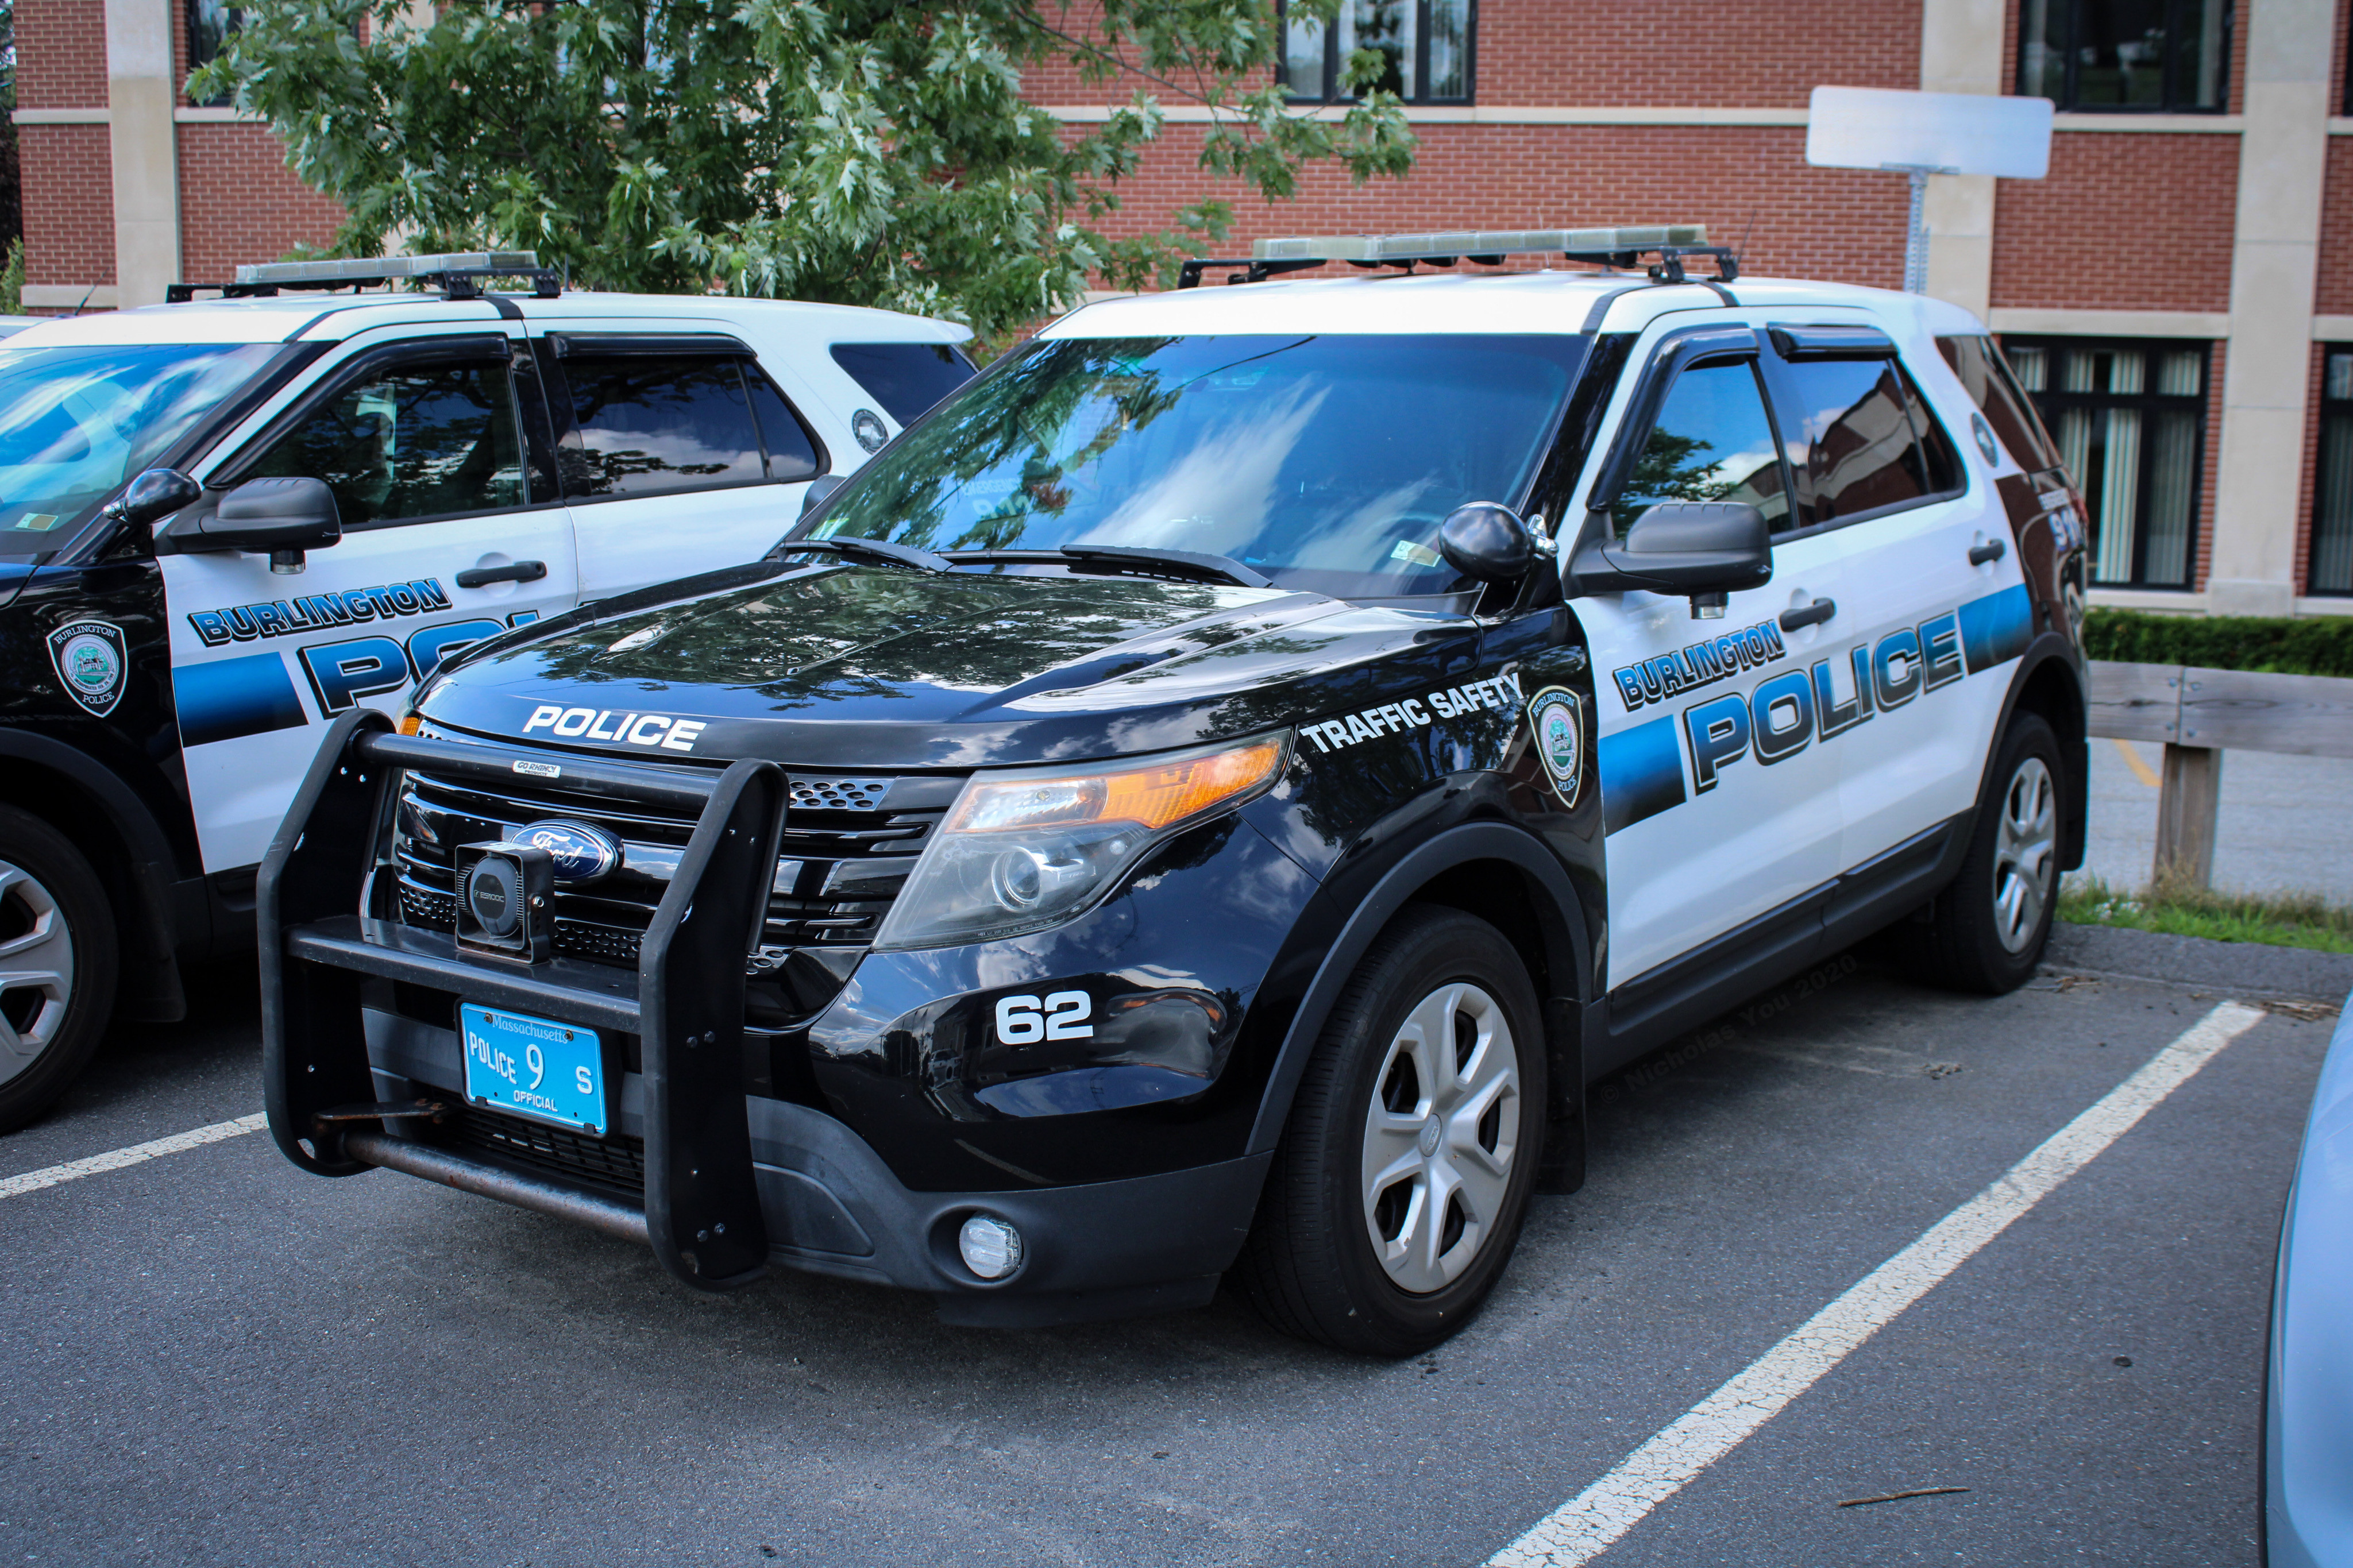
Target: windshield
[1324,463]
[76,423]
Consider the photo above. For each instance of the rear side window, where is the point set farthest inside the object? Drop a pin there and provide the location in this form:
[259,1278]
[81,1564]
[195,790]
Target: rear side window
[421,441]
[1712,442]
[652,424]
[1855,420]
[1995,390]
[906,379]
[792,451]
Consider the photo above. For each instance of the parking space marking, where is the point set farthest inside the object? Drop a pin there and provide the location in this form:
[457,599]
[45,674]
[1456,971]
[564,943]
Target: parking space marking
[115,1159]
[1587,1525]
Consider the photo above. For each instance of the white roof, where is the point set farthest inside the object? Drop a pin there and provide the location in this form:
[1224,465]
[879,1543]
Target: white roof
[1473,302]
[329,318]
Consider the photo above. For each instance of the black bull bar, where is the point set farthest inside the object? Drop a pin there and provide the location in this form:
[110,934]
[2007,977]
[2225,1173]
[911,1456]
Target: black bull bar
[685,1000]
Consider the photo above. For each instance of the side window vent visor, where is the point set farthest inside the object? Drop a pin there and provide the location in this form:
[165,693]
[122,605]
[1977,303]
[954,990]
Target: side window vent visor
[1799,344]
[671,344]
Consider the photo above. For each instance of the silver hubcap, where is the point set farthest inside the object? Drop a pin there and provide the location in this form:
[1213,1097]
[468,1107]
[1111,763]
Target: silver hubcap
[2024,854]
[1440,1136]
[37,970]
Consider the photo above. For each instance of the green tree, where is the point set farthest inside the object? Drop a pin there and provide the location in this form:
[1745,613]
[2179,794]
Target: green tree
[866,152]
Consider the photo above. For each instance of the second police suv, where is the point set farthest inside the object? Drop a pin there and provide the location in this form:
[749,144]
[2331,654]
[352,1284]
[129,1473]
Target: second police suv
[347,487]
[1207,798]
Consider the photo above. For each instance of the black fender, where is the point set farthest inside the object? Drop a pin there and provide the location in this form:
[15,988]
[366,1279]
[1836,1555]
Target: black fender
[1462,844]
[160,912]
[2052,656]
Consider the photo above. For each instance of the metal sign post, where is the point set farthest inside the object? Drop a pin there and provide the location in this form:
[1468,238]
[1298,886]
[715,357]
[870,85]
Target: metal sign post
[1923,133]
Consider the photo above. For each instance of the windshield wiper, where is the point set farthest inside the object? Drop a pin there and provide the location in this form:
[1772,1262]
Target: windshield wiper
[872,550]
[1190,563]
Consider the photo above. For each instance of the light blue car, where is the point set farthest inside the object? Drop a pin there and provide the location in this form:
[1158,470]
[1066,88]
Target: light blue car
[2308,1406]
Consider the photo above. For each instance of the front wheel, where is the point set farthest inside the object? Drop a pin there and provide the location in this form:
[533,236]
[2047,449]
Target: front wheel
[57,965]
[1396,1197]
[1986,931]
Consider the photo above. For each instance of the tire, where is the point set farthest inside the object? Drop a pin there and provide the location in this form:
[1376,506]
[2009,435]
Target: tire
[57,965]
[1366,1264]
[1986,929]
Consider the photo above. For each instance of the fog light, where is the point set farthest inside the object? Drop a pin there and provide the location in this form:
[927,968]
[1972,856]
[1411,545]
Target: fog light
[991,1247]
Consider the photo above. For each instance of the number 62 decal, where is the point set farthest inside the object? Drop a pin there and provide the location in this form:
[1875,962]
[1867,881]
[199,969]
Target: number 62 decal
[1061,1016]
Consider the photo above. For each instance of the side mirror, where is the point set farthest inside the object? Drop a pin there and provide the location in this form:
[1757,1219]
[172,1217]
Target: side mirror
[1486,542]
[1703,549]
[281,516]
[819,489]
[155,495]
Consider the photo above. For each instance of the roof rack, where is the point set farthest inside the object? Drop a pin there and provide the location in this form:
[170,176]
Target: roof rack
[1623,245]
[459,274]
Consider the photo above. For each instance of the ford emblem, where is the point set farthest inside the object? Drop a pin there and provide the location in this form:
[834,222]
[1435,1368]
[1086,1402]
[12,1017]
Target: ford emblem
[580,853]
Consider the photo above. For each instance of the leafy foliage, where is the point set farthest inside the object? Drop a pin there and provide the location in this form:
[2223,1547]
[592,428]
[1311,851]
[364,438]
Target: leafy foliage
[866,152]
[2305,645]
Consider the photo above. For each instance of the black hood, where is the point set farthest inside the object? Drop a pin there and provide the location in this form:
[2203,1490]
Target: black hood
[879,667]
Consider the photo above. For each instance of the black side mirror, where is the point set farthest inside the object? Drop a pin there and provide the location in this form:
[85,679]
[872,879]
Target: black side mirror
[820,489]
[281,516]
[1486,542]
[1703,549]
[155,495]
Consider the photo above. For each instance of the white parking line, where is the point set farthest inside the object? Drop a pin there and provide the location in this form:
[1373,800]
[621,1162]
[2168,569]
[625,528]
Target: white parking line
[115,1160]
[1586,1526]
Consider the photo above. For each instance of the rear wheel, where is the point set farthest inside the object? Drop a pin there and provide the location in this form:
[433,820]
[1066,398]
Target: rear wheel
[57,965]
[1986,931]
[1398,1196]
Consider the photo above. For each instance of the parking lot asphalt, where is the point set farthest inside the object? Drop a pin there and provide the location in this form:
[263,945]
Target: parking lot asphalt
[211,1358]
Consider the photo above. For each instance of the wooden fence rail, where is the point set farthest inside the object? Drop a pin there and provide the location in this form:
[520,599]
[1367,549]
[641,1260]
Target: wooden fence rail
[2197,714]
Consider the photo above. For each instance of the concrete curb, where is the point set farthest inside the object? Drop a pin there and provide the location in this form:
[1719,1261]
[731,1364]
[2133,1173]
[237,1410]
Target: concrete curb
[2237,968]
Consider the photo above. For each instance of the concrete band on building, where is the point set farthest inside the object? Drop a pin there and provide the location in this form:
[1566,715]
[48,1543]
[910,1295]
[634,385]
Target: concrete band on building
[2197,372]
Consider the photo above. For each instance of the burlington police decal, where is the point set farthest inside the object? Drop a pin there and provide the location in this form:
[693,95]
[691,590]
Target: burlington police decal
[89,662]
[1556,723]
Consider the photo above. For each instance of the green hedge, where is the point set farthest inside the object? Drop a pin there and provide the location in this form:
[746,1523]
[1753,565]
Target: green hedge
[2306,645]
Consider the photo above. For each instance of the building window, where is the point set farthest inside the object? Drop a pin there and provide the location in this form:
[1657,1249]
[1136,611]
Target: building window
[1427,44]
[2332,511]
[2131,422]
[2119,55]
[210,22]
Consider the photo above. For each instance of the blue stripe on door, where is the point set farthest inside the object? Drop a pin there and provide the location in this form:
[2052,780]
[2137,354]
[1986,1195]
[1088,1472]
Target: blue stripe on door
[229,697]
[1641,774]
[1997,627]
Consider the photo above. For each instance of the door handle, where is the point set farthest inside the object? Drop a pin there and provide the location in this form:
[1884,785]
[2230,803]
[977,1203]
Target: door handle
[1801,616]
[513,572]
[1991,550]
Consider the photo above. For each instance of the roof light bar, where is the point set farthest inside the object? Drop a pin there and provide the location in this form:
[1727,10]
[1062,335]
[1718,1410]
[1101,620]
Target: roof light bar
[380,269]
[1378,250]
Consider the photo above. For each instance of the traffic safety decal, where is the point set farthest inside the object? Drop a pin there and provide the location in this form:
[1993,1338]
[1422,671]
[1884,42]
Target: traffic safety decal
[1500,693]
[1643,767]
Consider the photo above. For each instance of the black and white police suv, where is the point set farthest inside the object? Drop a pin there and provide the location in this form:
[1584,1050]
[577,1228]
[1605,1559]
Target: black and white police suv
[1212,794]
[224,523]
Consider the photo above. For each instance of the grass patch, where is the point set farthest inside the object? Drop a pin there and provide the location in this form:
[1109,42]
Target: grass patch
[2293,920]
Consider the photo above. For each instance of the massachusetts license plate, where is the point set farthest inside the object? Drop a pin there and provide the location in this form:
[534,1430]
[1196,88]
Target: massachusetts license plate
[533,1066]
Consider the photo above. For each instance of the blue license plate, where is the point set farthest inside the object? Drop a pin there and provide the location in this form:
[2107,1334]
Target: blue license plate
[533,1066]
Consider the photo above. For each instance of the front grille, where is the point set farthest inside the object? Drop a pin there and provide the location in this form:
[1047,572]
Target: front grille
[617,1162]
[848,843]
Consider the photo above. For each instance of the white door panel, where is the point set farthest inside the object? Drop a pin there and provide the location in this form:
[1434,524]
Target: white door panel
[636,541]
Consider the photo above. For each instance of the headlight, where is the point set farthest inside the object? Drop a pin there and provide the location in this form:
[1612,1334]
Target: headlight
[1022,851]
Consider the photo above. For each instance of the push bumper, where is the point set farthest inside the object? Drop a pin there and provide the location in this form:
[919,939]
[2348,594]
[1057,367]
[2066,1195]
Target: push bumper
[730,1180]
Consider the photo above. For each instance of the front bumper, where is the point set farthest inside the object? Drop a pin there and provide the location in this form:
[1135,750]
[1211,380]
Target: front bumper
[718,1180]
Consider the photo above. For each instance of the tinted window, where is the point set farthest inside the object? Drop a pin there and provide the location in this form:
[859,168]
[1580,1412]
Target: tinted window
[2126,54]
[1326,463]
[648,424]
[906,379]
[1850,418]
[421,441]
[1711,442]
[1997,396]
[792,451]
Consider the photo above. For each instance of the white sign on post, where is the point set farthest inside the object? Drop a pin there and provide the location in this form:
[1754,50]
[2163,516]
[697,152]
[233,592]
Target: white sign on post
[1925,134]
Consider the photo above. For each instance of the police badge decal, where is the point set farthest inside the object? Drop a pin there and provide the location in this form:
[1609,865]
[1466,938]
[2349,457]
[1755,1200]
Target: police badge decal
[1556,725]
[88,657]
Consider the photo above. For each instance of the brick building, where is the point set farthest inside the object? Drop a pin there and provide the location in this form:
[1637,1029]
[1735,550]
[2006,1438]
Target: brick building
[2166,290]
